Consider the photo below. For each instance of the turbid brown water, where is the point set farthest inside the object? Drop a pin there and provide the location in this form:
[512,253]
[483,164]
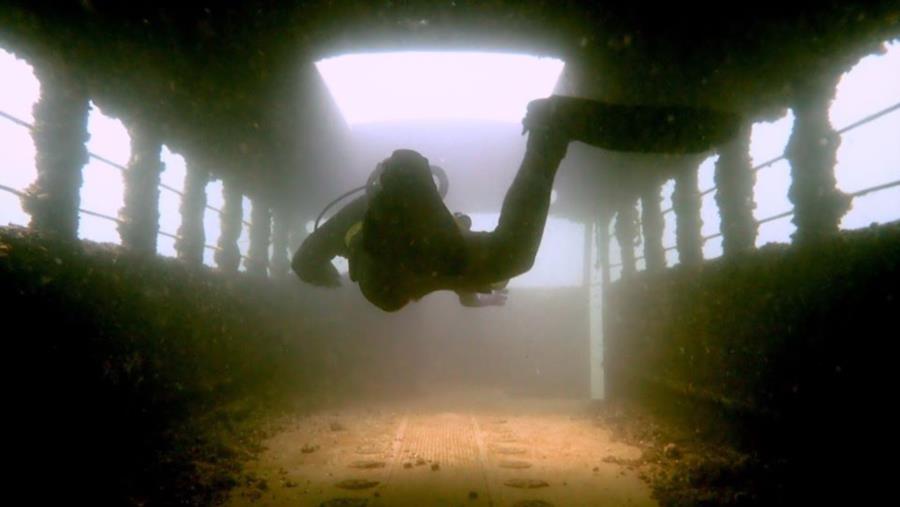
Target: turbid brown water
[441,454]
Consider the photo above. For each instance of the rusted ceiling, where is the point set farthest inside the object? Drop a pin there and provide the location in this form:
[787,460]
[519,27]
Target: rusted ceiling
[233,84]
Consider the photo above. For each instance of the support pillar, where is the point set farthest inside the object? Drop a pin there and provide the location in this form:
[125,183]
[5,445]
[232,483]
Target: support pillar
[260,234]
[60,134]
[812,152]
[191,234]
[281,228]
[139,218]
[686,202]
[228,256]
[735,178]
[652,224]
[626,232]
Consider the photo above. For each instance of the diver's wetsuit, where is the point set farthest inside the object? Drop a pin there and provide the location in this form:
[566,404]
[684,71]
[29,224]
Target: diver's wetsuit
[410,245]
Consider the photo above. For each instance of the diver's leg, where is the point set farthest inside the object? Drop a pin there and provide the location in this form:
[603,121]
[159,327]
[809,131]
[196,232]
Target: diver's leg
[645,129]
[511,248]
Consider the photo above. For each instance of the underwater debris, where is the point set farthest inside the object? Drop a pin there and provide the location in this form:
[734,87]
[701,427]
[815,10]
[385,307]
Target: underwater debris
[615,460]
[367,464]
[526,483]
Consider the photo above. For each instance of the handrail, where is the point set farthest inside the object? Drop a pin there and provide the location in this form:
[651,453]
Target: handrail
[783,156]
[116,165]
[21,194]
[784,214]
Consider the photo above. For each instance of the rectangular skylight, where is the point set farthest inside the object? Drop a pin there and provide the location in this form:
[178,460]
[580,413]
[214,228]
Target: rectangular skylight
[380,87]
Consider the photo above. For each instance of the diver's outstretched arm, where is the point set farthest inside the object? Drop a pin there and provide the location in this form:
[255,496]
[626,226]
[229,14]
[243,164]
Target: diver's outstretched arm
[312,262]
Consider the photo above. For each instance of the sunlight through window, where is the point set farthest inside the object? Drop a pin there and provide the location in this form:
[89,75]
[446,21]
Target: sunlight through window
[103,190]
[244,239]
[770,192]
[21,90]
[869,155]
[669,223]
[709,210]
[212,220]
[169,202]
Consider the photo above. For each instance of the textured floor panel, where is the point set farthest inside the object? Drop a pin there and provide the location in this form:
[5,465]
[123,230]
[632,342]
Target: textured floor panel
[420,458]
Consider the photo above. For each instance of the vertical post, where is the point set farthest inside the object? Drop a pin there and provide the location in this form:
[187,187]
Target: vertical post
[588,248]
[686,202]
[652,224]
[228,256]
[626,232]
[139,218]
[597,297]
[734,194]
[587,281]
[191,235]
[260,234]
[60,134]
[812,152]
[603,221]
[283,223]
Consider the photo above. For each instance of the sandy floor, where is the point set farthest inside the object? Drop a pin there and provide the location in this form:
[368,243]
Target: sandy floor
[496,452]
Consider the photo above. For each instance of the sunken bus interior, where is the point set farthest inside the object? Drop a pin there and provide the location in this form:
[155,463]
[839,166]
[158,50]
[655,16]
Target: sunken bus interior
[756,378]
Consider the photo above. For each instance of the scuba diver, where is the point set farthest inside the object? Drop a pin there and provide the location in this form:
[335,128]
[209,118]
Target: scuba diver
[402,242]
